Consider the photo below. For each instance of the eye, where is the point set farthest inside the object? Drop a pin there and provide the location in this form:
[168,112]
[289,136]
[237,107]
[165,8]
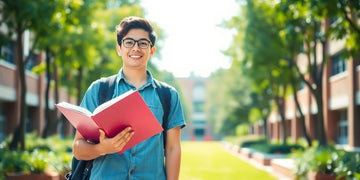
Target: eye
[143,43]
[128,43]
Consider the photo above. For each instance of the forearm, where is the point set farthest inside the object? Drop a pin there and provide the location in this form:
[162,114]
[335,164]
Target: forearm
[84,150]
[172,162]
[87,151]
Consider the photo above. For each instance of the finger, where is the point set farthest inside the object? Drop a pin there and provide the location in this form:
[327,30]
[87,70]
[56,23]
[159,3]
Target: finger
[126,139]
[122,133]
[102,135]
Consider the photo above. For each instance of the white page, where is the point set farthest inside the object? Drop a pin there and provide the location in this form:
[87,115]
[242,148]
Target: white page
[75,108]
[112,101]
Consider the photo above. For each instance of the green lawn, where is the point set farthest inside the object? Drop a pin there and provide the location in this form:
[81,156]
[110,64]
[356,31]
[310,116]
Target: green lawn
[208,160]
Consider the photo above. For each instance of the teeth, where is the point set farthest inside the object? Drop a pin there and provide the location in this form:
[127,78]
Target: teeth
[135,56]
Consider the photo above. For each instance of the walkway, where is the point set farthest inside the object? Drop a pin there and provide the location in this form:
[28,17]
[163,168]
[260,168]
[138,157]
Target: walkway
[284,162]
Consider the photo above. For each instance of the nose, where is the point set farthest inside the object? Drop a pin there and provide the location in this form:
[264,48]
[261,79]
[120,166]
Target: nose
[136,45]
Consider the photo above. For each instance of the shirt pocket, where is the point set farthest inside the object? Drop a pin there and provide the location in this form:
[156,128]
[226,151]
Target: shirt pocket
[157,111]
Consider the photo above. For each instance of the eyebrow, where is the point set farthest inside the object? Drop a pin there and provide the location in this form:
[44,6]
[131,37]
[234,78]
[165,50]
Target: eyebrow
[137,40]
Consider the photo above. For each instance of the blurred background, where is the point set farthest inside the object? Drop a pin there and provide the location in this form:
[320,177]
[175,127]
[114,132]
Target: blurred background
[272,72]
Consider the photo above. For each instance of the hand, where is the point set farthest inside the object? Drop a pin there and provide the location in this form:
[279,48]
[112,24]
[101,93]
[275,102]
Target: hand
[115,144]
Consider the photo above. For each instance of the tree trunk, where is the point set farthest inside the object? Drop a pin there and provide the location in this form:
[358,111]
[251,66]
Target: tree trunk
[79,89]
[59,117]
[320,118]
[280,104]
[319,98]
[302,117]
[266,132]
[19,134]
[48,122]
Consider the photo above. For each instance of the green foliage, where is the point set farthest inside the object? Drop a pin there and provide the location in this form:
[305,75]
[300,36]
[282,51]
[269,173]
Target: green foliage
[14,162]
[251,143]
[275,148]
[242,129]
[232,107]
[327,160]
[270,34]
[38,160]
[245,141]
[348,164]
[40,155]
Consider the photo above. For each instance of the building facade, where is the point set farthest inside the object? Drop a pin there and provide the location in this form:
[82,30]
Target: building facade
[194,89]
[35,96]
[341,98]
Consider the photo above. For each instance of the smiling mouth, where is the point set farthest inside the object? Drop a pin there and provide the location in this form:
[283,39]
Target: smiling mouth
[135,56]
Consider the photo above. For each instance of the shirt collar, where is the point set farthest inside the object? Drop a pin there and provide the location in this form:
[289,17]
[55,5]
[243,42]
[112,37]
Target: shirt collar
[120,76]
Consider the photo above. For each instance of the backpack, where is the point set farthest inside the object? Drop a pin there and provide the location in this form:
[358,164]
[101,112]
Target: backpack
[81,169]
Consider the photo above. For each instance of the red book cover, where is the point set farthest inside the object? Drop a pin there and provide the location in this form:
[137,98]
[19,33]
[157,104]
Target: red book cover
[128,109]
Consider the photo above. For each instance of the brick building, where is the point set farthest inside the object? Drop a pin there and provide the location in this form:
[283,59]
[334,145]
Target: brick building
[194,89]
[341,97]
[35,96]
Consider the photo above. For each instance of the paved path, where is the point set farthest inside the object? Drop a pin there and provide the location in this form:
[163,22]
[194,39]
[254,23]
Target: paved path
[234,151]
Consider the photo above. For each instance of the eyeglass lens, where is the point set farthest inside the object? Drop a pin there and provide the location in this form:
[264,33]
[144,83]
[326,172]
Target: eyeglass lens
[142,43]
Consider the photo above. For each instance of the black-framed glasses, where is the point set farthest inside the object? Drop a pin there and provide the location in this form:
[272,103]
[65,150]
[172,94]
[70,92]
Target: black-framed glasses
[142,43]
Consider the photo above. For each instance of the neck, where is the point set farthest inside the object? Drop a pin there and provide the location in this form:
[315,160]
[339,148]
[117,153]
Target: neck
[136,77]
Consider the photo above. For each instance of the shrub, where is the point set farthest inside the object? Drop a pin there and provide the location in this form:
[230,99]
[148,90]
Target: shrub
[348,165]
[276,148]
[247,141]
[252,143]
[327,160]
[52,153]
[15,162]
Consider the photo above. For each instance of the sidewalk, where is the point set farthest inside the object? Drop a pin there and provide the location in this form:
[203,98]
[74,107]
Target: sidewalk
[278,167]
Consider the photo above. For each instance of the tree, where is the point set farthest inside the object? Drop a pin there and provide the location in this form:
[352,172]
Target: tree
[18,16]
[229,99]
[263,50]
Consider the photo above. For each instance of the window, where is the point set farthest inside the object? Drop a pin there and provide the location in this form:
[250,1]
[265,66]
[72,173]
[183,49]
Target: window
[199,106]
[343,128]
[31,63]
[7,53]
[302,85]
[333,20]
[2,123]
[199,132]
[338,64]
[199,92]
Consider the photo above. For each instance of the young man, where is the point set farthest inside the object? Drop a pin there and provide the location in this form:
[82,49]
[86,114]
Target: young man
[135,44]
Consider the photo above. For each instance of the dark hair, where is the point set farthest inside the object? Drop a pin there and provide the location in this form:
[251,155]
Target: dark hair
[134,23]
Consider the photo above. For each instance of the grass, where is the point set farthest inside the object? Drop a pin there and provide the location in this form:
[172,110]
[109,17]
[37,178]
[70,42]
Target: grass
[207,161]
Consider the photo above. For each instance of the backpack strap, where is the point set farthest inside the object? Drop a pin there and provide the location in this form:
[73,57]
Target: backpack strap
[163,91]
[106,89]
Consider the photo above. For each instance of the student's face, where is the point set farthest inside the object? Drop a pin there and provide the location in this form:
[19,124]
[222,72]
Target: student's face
[136,56]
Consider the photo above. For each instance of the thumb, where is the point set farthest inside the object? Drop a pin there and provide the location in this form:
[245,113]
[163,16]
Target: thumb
[102,134]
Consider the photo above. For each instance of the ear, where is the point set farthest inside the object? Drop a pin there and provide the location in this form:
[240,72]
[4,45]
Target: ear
[118,49]
[152,50]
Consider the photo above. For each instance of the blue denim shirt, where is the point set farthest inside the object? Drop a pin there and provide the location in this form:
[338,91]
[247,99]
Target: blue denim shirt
[145,160]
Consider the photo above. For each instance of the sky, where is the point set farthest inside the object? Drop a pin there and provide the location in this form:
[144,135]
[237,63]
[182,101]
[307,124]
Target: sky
[194,40]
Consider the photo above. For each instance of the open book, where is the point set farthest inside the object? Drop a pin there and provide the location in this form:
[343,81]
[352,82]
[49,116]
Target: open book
[113,116]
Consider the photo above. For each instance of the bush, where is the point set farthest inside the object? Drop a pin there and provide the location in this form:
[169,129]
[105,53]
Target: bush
[252,143]
[52,153]
[348,165]
[327,160]
[15,162]
[276,148]
[247,141]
